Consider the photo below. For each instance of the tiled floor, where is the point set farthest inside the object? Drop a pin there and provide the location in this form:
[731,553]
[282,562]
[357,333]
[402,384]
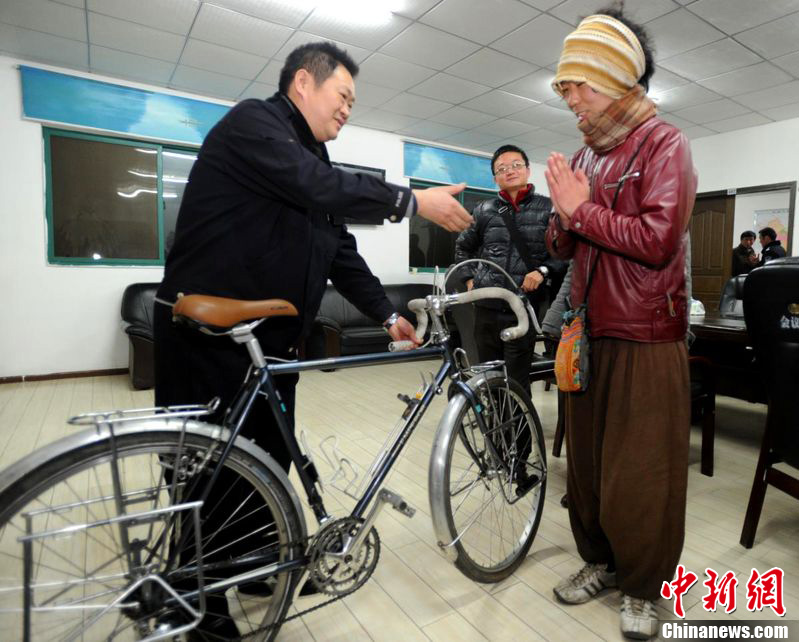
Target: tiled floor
[415,593]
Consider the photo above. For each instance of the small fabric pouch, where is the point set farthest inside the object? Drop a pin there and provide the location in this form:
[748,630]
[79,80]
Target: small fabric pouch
[571,358]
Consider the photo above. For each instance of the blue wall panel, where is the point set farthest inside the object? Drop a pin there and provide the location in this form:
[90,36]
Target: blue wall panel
[447,166]
[74,100]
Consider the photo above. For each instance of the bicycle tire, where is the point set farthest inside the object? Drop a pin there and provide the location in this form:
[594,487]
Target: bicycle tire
[70,573]
[466,538]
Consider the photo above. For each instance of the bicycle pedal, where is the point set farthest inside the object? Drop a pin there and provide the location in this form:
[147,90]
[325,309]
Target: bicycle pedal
[397,502]
[526,484]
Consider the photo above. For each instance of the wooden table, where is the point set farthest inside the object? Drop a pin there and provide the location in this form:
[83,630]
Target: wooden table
[711,326]
[725,342]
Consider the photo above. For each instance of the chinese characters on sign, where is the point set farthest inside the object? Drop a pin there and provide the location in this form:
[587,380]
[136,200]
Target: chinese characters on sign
[762,590]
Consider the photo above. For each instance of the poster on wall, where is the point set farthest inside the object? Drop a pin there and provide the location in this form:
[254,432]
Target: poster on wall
[776,219]
[73,100]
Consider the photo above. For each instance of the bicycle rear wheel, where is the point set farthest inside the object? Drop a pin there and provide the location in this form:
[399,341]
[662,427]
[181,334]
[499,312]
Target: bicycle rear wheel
[486,512]
[84,555]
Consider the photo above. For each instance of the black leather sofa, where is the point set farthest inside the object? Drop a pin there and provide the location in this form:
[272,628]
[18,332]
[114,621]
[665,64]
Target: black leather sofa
[340,328]
[138,303]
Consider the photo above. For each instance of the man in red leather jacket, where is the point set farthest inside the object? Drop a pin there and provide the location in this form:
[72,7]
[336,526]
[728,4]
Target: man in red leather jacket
[627,434]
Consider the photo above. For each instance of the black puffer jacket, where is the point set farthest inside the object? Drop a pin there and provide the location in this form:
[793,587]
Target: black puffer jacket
[488,238]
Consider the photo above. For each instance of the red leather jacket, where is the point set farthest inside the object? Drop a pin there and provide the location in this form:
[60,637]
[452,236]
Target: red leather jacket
[638,289]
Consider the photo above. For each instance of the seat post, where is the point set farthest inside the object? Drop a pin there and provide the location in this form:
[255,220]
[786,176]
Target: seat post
[243,334]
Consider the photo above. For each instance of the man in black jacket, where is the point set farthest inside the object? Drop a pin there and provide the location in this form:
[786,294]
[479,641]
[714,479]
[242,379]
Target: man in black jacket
[772,248]
[744,258]
[532,269]
[259,220]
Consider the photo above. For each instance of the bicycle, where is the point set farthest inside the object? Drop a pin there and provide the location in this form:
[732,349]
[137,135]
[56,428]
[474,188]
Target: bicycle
[103,533]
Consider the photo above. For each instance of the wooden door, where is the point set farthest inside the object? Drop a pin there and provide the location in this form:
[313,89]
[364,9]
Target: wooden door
[711,247]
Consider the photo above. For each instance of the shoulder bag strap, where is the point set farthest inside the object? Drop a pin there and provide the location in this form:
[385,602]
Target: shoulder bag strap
[516,237]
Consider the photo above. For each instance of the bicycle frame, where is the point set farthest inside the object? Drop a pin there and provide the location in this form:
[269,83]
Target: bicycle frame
[261,381]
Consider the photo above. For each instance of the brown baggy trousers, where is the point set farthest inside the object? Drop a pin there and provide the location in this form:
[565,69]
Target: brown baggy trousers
[627,440]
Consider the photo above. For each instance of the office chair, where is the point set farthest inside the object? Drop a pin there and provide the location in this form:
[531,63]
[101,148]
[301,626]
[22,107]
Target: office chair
[771,310]
[731,302]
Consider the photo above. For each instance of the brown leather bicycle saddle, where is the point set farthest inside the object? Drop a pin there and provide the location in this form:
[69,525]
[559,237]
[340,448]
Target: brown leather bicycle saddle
[224,313]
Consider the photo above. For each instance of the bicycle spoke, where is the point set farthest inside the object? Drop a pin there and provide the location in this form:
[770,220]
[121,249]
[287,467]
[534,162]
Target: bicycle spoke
[82,568]
[493,526]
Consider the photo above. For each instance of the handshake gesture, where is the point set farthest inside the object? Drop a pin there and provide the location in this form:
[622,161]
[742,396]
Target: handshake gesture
[439,205]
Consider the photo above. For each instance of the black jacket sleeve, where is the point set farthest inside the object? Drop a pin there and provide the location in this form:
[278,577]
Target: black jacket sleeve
[356,283]
[557,268]
[467,246]
[263,151]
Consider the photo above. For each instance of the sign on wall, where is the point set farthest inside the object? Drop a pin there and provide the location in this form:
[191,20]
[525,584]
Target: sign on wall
[72,100]
[447,166]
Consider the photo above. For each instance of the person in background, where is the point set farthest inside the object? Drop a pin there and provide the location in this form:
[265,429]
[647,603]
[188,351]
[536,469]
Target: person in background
[743,256]
[622,209]
[527,260]
[772,248]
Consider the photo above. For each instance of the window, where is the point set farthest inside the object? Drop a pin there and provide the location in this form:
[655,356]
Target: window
[112,201]
[430,245]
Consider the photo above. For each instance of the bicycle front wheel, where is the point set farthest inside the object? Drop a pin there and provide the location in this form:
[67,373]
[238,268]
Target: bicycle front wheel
[94,546]
[486,502]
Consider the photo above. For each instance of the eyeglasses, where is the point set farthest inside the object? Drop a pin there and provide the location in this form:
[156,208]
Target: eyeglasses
[501,169]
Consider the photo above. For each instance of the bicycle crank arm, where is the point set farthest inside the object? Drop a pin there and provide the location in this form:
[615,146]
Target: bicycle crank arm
[385,496]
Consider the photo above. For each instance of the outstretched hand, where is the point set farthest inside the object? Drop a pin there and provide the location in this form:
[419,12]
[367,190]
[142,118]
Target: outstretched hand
[567,189]
[439,205]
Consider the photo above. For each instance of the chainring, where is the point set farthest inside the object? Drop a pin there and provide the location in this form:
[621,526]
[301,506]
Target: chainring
[333,574]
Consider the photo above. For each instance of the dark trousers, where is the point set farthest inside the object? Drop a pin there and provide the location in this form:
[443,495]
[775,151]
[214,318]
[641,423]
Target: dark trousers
[627,440]
[517,354]
[192,368]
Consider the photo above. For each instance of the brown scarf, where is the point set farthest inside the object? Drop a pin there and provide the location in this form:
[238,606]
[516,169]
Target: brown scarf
[612,126]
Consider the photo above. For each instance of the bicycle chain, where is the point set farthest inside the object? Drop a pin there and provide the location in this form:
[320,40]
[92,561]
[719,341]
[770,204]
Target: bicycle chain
[287,618]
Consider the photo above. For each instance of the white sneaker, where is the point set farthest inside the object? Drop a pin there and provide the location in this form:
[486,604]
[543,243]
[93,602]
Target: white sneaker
[585,584]
[638,618]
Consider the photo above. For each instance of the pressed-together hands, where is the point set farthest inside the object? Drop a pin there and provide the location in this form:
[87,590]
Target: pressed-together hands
[438,204]
[567,189]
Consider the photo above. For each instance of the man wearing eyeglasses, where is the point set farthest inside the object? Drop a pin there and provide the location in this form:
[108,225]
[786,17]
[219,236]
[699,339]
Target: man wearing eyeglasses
[521,252]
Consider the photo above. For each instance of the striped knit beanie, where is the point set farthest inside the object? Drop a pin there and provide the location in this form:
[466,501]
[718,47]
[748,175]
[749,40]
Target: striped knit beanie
[603,53]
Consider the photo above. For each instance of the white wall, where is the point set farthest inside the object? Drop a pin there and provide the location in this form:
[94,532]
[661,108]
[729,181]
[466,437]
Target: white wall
[55,318]
[755,156]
